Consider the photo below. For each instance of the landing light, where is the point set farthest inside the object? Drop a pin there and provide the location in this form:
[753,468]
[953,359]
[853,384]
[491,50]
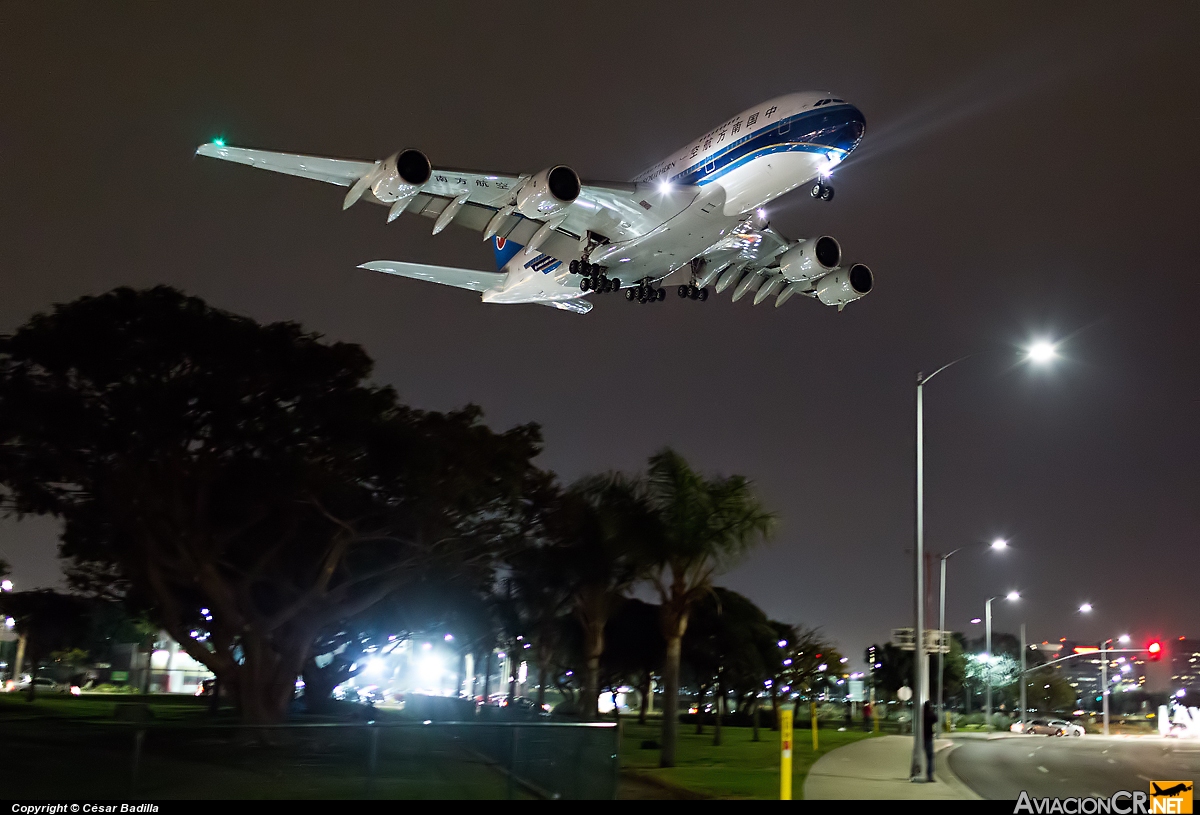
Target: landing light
[1085,608]
[664,186]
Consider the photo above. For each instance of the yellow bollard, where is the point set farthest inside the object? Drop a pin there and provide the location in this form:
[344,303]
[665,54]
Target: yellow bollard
[813,707]
[785,755]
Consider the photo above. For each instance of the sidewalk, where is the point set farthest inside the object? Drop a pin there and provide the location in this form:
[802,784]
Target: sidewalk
[877,769]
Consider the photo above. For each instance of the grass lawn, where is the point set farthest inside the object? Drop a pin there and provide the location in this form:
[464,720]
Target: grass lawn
[739,768]
[67,747]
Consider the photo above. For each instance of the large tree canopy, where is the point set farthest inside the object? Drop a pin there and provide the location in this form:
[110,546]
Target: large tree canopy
[206,461]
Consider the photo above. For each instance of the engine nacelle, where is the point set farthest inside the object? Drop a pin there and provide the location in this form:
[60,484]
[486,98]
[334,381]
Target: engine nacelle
[402,176]
[845,285]
[811,258]
[548,193]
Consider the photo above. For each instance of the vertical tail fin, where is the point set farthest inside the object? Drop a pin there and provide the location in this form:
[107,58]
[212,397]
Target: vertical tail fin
[504,249]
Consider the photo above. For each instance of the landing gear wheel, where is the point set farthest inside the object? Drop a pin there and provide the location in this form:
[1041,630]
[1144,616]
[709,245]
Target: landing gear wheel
[631,294]
[574,266]
[816,190]
[585,284]
[827,193]
[683,291]
[692,292]
[703,295]
[616,284]
[662,295]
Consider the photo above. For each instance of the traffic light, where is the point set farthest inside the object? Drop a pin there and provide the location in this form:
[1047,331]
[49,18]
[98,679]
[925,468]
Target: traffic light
[1154,650]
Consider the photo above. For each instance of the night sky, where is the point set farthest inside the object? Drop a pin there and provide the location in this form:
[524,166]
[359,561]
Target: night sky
[1028,171]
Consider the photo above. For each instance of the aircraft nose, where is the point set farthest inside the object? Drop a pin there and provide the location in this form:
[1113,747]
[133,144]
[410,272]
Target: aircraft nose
[847,130]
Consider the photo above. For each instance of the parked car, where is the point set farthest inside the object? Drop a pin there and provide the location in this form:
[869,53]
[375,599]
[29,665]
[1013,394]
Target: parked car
[44,684]
[1048,727]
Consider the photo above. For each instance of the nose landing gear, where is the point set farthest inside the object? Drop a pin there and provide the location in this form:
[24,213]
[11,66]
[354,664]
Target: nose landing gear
[821,190]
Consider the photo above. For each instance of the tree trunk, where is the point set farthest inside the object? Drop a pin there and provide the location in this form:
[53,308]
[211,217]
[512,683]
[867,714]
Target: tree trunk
[775,705]
[541,697]
[593,648]
[701,692]
[670,714]
[487,678]
[756,706]
[644,689]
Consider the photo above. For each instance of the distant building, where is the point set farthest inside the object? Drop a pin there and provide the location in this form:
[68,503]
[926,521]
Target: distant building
[1126,672]
[1185,664]
[172,670]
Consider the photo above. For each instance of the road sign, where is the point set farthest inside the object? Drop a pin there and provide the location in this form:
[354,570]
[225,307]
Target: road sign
[856,690]
[935,641]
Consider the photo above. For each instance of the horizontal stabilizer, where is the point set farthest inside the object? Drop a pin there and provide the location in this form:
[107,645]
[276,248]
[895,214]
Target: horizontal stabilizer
[446,275]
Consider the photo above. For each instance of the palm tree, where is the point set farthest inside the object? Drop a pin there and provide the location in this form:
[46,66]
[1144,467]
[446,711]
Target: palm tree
[704,525]
[602,522]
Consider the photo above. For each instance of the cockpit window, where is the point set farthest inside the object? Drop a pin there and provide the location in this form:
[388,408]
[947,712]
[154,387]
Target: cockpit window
[838,100]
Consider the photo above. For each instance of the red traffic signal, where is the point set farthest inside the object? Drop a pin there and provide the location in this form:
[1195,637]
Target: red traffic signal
[1154,650]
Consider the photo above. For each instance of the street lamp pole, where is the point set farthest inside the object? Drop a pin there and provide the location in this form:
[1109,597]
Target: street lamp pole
[915,769]
[987,661]
[997,544]
[1039,353]
[987,607]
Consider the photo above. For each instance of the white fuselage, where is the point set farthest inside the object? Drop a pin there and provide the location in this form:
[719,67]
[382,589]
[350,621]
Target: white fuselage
[749,160]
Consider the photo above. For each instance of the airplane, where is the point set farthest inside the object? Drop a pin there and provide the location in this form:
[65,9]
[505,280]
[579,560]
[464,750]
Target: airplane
[697,214]
[1169,792]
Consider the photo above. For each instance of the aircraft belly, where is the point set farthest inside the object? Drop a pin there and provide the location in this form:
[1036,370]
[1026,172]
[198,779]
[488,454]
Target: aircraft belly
[672,245]
[766,178]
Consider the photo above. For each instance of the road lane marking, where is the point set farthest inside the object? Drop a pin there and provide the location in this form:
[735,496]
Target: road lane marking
[1031,755]
[1144,778]
[1043,769]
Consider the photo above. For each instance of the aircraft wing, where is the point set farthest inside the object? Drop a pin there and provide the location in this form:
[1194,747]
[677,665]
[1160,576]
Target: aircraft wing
[615,210]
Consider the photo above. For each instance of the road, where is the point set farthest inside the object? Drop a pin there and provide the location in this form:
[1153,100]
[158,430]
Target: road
[1002,766]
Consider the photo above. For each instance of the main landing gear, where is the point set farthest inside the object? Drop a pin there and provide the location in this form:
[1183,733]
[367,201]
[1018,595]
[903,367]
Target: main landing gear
[693,292]
[821,190]
[644,292]
[595,277]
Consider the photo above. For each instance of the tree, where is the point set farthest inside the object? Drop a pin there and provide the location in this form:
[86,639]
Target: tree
[728,644]
[704,525]
[211,462]
[49,622]
[601,524]
[634,650]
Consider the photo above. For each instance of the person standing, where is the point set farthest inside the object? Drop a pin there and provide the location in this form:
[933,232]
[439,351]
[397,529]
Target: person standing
[866,717]
[929,726]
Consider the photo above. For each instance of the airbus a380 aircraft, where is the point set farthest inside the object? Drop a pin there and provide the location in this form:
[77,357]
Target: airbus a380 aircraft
[698,213]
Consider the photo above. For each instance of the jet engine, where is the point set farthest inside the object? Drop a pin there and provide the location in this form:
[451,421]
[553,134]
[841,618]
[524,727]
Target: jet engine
[401,176]
[548,193]
[845,285]
[810,259]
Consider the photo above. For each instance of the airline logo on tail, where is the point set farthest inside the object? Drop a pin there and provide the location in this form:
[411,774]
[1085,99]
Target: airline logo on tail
[506,250]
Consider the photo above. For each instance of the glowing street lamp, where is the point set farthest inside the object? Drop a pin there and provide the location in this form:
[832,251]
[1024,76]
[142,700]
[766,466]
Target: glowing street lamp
[1085,608]
[1040,353]
[998,545]
[987,607]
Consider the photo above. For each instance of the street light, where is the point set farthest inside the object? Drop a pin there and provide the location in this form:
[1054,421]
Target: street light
[1040,352]
[999,544]
[987,615]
